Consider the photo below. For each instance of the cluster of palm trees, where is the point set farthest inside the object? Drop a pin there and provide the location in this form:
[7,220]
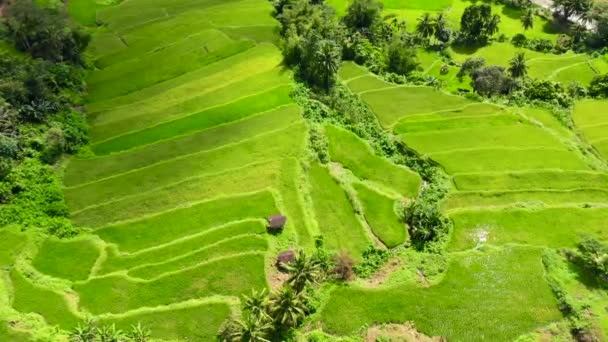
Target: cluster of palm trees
[269,316]
[436,27]
[91,332]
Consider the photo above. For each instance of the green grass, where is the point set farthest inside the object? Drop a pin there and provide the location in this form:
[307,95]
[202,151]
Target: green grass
[367,83]
[28,297]
[547,119]
[590,113]
[521,136]
[127,119]
[289,185]
[380,214]
[549,67]
[550,197]
[9,334]
[11,244]
[472,110]
[140,74]
[551,227]
[86,170]
[244,244]
[335,214]
[494,122]
[350,70]
[487,291]
[200,43]
[195,322]
[262,57]
[548,179]
[500,54]
[498,159]
[231,276]
[250,178]
[590,118]
[206,235]
[284,143]
[179,223]
[85,11]
[103,42]
[354,154]
[581,73]
[70,260]
[409,100]
[131,14]
[234,111]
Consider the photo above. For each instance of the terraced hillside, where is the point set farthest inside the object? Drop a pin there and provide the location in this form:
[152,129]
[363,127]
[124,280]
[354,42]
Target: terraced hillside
[196,140]
[519,184]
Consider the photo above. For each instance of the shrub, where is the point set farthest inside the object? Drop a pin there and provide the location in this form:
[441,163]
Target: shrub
[540,45]
[593,255]
[401,59]
[519,40]
[373,259]
[492,80]
[563,43]
[8,147]
[599,86]
[318,144]
[547,91]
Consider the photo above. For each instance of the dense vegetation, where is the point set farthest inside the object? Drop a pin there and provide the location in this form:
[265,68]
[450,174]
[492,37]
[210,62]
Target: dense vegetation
[441,166]
[38,96]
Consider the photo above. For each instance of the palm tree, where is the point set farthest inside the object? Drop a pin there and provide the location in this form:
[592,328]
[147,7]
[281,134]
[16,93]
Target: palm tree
[517,65]
[327,58]
[288,307]
[527,20]
[442,32]
[252,329]
[492,27]
[302,271]
[425,27]
[257,304]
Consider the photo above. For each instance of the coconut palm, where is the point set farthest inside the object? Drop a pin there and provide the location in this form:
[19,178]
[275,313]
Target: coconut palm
[327,61]
[302,271]
[288,307]
[425,26]
[442,32]
[527,20]
[492,26]
[517,65]
[252,329]
[257,304]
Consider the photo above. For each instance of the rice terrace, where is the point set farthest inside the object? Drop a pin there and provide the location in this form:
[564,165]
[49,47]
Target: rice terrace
[303,170]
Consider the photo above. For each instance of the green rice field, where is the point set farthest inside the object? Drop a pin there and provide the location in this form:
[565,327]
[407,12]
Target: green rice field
[197,138]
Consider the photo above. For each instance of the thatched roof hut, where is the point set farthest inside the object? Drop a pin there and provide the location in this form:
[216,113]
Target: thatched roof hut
[285,258]
[276,222]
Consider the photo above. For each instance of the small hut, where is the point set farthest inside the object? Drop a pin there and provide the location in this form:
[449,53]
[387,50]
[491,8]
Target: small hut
[276,223]
[285,258]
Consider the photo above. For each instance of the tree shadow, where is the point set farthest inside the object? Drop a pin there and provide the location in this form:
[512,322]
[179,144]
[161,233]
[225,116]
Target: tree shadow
[555,26]
[583,275]
[512,13]
[466,49]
